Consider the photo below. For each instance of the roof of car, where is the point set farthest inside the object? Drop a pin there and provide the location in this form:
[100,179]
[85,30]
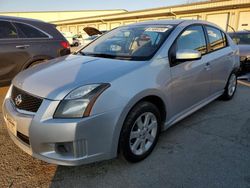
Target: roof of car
[240,32]
[174,22]
[12,18]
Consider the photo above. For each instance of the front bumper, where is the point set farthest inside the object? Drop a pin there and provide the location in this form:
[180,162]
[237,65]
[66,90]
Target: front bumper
[63,141]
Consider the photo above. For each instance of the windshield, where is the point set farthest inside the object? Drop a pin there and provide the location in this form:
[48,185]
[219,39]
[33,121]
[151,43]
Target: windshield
[241,38]
[131,42]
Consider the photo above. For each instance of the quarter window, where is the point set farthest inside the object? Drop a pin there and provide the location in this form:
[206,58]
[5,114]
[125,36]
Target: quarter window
[30,32]
[192,39]
[7,30]
[216,39]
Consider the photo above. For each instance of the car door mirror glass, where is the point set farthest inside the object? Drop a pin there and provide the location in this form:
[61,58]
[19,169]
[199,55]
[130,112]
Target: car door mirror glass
[188,55]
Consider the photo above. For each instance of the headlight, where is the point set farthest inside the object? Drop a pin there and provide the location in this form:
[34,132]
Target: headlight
[79,102]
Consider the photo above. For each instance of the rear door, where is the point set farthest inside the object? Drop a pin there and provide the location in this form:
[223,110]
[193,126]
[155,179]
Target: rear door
[221,56]
[190,79]
[12,57]
[36,42]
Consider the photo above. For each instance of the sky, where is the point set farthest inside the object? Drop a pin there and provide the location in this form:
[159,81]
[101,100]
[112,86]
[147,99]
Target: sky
[62,5]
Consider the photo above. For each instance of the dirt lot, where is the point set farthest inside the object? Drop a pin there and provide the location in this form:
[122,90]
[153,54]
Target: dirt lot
[211,148]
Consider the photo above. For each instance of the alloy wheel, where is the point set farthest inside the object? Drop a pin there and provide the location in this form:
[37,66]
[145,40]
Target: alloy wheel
[232,85]
[143,133]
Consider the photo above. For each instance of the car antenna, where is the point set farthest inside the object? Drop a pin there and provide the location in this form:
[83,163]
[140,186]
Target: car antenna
[233,31]
[231,28]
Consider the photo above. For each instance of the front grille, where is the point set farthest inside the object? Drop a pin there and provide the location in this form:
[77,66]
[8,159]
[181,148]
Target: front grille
[24,138]
[24,101]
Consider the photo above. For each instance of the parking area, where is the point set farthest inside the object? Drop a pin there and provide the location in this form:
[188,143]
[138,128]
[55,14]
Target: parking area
[210,148]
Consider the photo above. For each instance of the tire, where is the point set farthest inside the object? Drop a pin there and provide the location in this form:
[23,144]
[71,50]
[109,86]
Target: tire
[138,136]
[230,88]
[33,64]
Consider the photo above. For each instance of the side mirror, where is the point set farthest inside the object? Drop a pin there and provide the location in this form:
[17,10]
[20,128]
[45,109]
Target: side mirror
[187,55]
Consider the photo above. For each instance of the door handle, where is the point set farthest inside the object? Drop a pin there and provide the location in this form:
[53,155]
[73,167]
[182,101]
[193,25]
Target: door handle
[207,66]
[22,46]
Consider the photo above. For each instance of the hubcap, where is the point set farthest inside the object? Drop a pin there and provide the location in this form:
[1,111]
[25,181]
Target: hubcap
[143,133]
[232,85]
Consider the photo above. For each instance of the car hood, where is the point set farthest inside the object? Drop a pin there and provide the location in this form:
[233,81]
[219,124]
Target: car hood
[244,50]
[55,79]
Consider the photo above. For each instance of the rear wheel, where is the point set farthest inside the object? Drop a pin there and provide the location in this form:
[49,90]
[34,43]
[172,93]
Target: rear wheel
[140,132]
[35,63]
[230,88]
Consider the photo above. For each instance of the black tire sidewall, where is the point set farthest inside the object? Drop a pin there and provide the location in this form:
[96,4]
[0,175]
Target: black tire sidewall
[138,110]
[226,95]
[33,64]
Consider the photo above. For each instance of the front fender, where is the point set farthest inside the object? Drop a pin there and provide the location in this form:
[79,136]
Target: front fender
[126,109]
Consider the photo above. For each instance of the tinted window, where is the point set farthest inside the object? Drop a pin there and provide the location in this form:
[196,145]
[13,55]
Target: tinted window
[7,30]
[216,39]
[30,32]
[241,38]
[192,39]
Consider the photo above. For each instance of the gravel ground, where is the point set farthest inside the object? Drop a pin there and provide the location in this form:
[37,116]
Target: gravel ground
[210,148]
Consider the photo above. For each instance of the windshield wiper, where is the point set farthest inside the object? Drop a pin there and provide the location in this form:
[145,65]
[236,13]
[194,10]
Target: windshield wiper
[82,53]
[106,56]
[101,55]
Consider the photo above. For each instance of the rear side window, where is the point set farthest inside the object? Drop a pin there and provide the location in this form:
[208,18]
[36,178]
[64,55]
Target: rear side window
[30,32]
[7,30]
[192,38]
[217,39]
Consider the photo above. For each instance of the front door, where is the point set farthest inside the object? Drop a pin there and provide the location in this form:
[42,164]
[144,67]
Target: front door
[190,79]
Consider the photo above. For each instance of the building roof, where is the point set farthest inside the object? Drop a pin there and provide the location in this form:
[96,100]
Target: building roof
[162,11]
[19,19]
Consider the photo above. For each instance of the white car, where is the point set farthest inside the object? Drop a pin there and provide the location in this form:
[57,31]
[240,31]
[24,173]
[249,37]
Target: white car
[69,37]
[92,33]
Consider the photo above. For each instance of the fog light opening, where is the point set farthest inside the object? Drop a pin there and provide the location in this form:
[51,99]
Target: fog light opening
[64,148]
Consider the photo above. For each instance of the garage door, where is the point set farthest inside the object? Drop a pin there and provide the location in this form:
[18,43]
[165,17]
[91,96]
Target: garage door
[114,25]
[102,27]
[244,21]
[64,29]
[72,29]
[80,29]
[219,19]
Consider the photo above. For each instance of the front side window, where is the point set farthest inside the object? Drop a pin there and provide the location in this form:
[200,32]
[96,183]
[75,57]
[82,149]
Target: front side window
[216,39]
[192,38]
[129,42]
[7,30]
[30,32]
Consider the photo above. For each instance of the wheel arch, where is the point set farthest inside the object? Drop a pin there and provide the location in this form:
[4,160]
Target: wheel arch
[34,59]
[153,96]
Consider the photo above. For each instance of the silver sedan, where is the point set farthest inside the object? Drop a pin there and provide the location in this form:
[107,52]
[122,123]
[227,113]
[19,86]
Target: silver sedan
[118,93]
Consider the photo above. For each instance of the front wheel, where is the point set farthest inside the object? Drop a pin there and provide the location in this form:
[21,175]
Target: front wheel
[230,88]
[140,132]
